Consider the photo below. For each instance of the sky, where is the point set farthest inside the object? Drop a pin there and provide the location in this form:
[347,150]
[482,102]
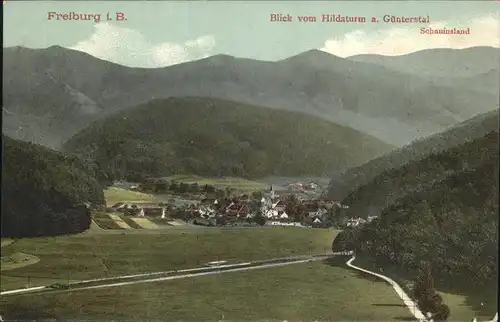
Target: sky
[163,33]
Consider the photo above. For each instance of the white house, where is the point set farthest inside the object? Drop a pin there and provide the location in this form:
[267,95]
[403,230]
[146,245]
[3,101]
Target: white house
[311,185]
[271,213]
[354,222]
[318,213]
[206,212]
[283,215]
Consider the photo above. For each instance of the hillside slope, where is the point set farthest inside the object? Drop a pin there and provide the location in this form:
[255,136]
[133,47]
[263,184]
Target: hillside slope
[50,94]
[206,136]
[393,184]
[43,191]
[344,183]
[451,223]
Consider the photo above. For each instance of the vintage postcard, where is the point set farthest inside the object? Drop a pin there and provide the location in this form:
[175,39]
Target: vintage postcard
[250,160]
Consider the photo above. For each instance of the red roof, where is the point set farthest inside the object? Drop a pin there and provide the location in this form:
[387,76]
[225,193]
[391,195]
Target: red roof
[237,209]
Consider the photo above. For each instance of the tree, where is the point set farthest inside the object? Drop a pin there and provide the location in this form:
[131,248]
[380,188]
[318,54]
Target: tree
[183,187]
[208,188]
[194,188]
[173,186]
[259,219]
[423,289]
[161,187]
[442,313]
[257,195]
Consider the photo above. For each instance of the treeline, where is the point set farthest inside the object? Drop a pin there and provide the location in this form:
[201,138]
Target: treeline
[161,186]
[46,193]
[393,184]
[451,226]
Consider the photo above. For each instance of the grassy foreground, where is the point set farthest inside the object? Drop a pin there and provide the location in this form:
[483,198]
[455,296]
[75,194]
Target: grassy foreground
[127,251]
[311,291]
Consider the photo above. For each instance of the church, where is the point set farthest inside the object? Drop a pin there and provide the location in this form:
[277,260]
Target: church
[272,207]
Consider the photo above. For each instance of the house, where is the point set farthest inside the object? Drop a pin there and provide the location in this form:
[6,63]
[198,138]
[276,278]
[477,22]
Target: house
[119,205]
[330,203]
[283,215]
[209,201]
[237,210]
[311,186]
[276,214]
[129,207]
[271,213]
[318,213]
[279,205]
[152,212]
[206,212]
[295,186]
[354,222]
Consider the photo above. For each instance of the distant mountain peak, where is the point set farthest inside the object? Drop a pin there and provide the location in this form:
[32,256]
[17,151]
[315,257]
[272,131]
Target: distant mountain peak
[56,47]
[313,54]
[222,56]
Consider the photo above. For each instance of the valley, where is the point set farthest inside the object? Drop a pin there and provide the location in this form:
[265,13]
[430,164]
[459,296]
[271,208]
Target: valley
[163,178]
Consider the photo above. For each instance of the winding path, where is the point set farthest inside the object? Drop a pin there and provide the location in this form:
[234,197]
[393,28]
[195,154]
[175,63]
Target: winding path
[412,306]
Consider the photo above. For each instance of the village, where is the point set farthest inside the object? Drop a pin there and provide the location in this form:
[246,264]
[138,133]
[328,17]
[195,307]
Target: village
[206,206]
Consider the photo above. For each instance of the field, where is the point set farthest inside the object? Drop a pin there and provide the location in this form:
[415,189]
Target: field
[5,242]
[122,223]
[312,291]
[114,195]
[103,253]
[145,223]
[17,260]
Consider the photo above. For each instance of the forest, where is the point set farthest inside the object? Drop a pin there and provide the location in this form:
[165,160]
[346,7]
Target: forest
[47,193]
[450,226]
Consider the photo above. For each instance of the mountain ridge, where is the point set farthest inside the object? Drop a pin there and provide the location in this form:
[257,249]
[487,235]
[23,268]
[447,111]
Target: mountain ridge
[369,98]
[342,184]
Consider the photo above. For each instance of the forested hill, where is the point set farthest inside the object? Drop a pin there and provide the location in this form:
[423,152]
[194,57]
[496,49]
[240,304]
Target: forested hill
[206,136]
[341,185]
[452,224]
[394,184]
[43,191]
